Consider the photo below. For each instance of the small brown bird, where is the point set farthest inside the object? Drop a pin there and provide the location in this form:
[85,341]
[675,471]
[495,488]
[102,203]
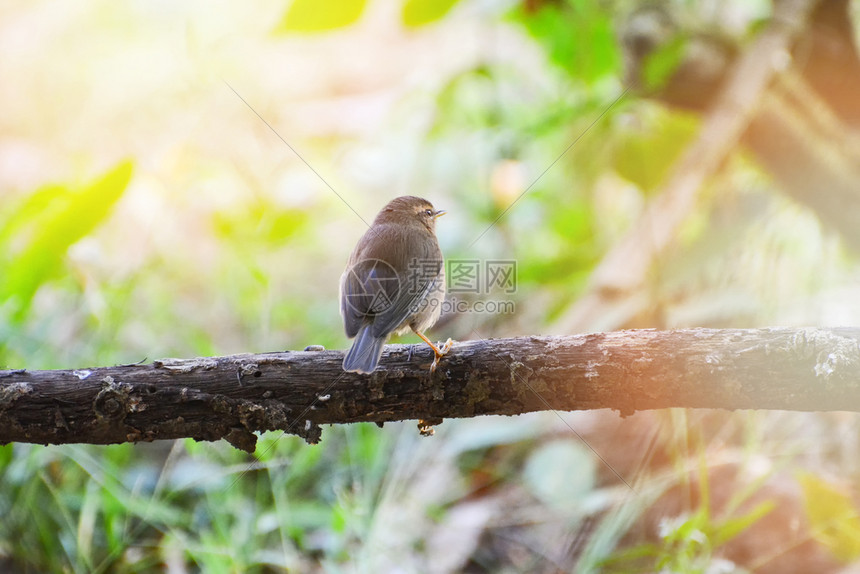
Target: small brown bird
[394,281]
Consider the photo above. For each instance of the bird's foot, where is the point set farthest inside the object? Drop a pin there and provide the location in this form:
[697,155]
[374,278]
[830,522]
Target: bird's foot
[436,350]
[440,353]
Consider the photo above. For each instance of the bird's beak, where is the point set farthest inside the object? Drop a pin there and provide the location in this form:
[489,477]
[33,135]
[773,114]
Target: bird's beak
[439,213]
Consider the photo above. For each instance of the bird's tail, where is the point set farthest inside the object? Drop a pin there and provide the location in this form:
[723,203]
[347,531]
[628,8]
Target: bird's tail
[364,354]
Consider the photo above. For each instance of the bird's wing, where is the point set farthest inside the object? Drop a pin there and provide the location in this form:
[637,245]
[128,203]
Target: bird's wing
[413,291]
[367,289]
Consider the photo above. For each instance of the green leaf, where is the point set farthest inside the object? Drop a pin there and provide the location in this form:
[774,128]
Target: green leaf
[662,63]
[486,432]
[644,155]
[51,221]
[35,205]
[833,517]
[578,36]
[315,16]
[734,526]
[421,12]
[560,474]
[258,225]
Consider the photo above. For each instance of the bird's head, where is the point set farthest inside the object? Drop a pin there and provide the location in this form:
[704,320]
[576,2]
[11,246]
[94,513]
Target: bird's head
[409,209]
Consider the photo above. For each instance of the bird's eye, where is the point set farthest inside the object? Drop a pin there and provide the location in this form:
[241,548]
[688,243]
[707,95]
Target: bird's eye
[428,212]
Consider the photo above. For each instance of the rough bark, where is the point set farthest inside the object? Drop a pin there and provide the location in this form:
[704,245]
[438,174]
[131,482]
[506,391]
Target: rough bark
[232,397]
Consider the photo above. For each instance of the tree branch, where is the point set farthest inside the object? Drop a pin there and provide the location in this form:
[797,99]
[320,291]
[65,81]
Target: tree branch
[231,397]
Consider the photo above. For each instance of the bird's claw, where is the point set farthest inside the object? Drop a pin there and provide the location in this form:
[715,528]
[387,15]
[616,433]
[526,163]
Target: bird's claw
[440,353]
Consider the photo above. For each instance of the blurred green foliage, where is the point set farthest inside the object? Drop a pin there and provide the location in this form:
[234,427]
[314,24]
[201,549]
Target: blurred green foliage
[311,16]
[692,541]
[660,65]
[36,233]
[646,152]
[421,12]
[577,35]
[305,16]
[834,516]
